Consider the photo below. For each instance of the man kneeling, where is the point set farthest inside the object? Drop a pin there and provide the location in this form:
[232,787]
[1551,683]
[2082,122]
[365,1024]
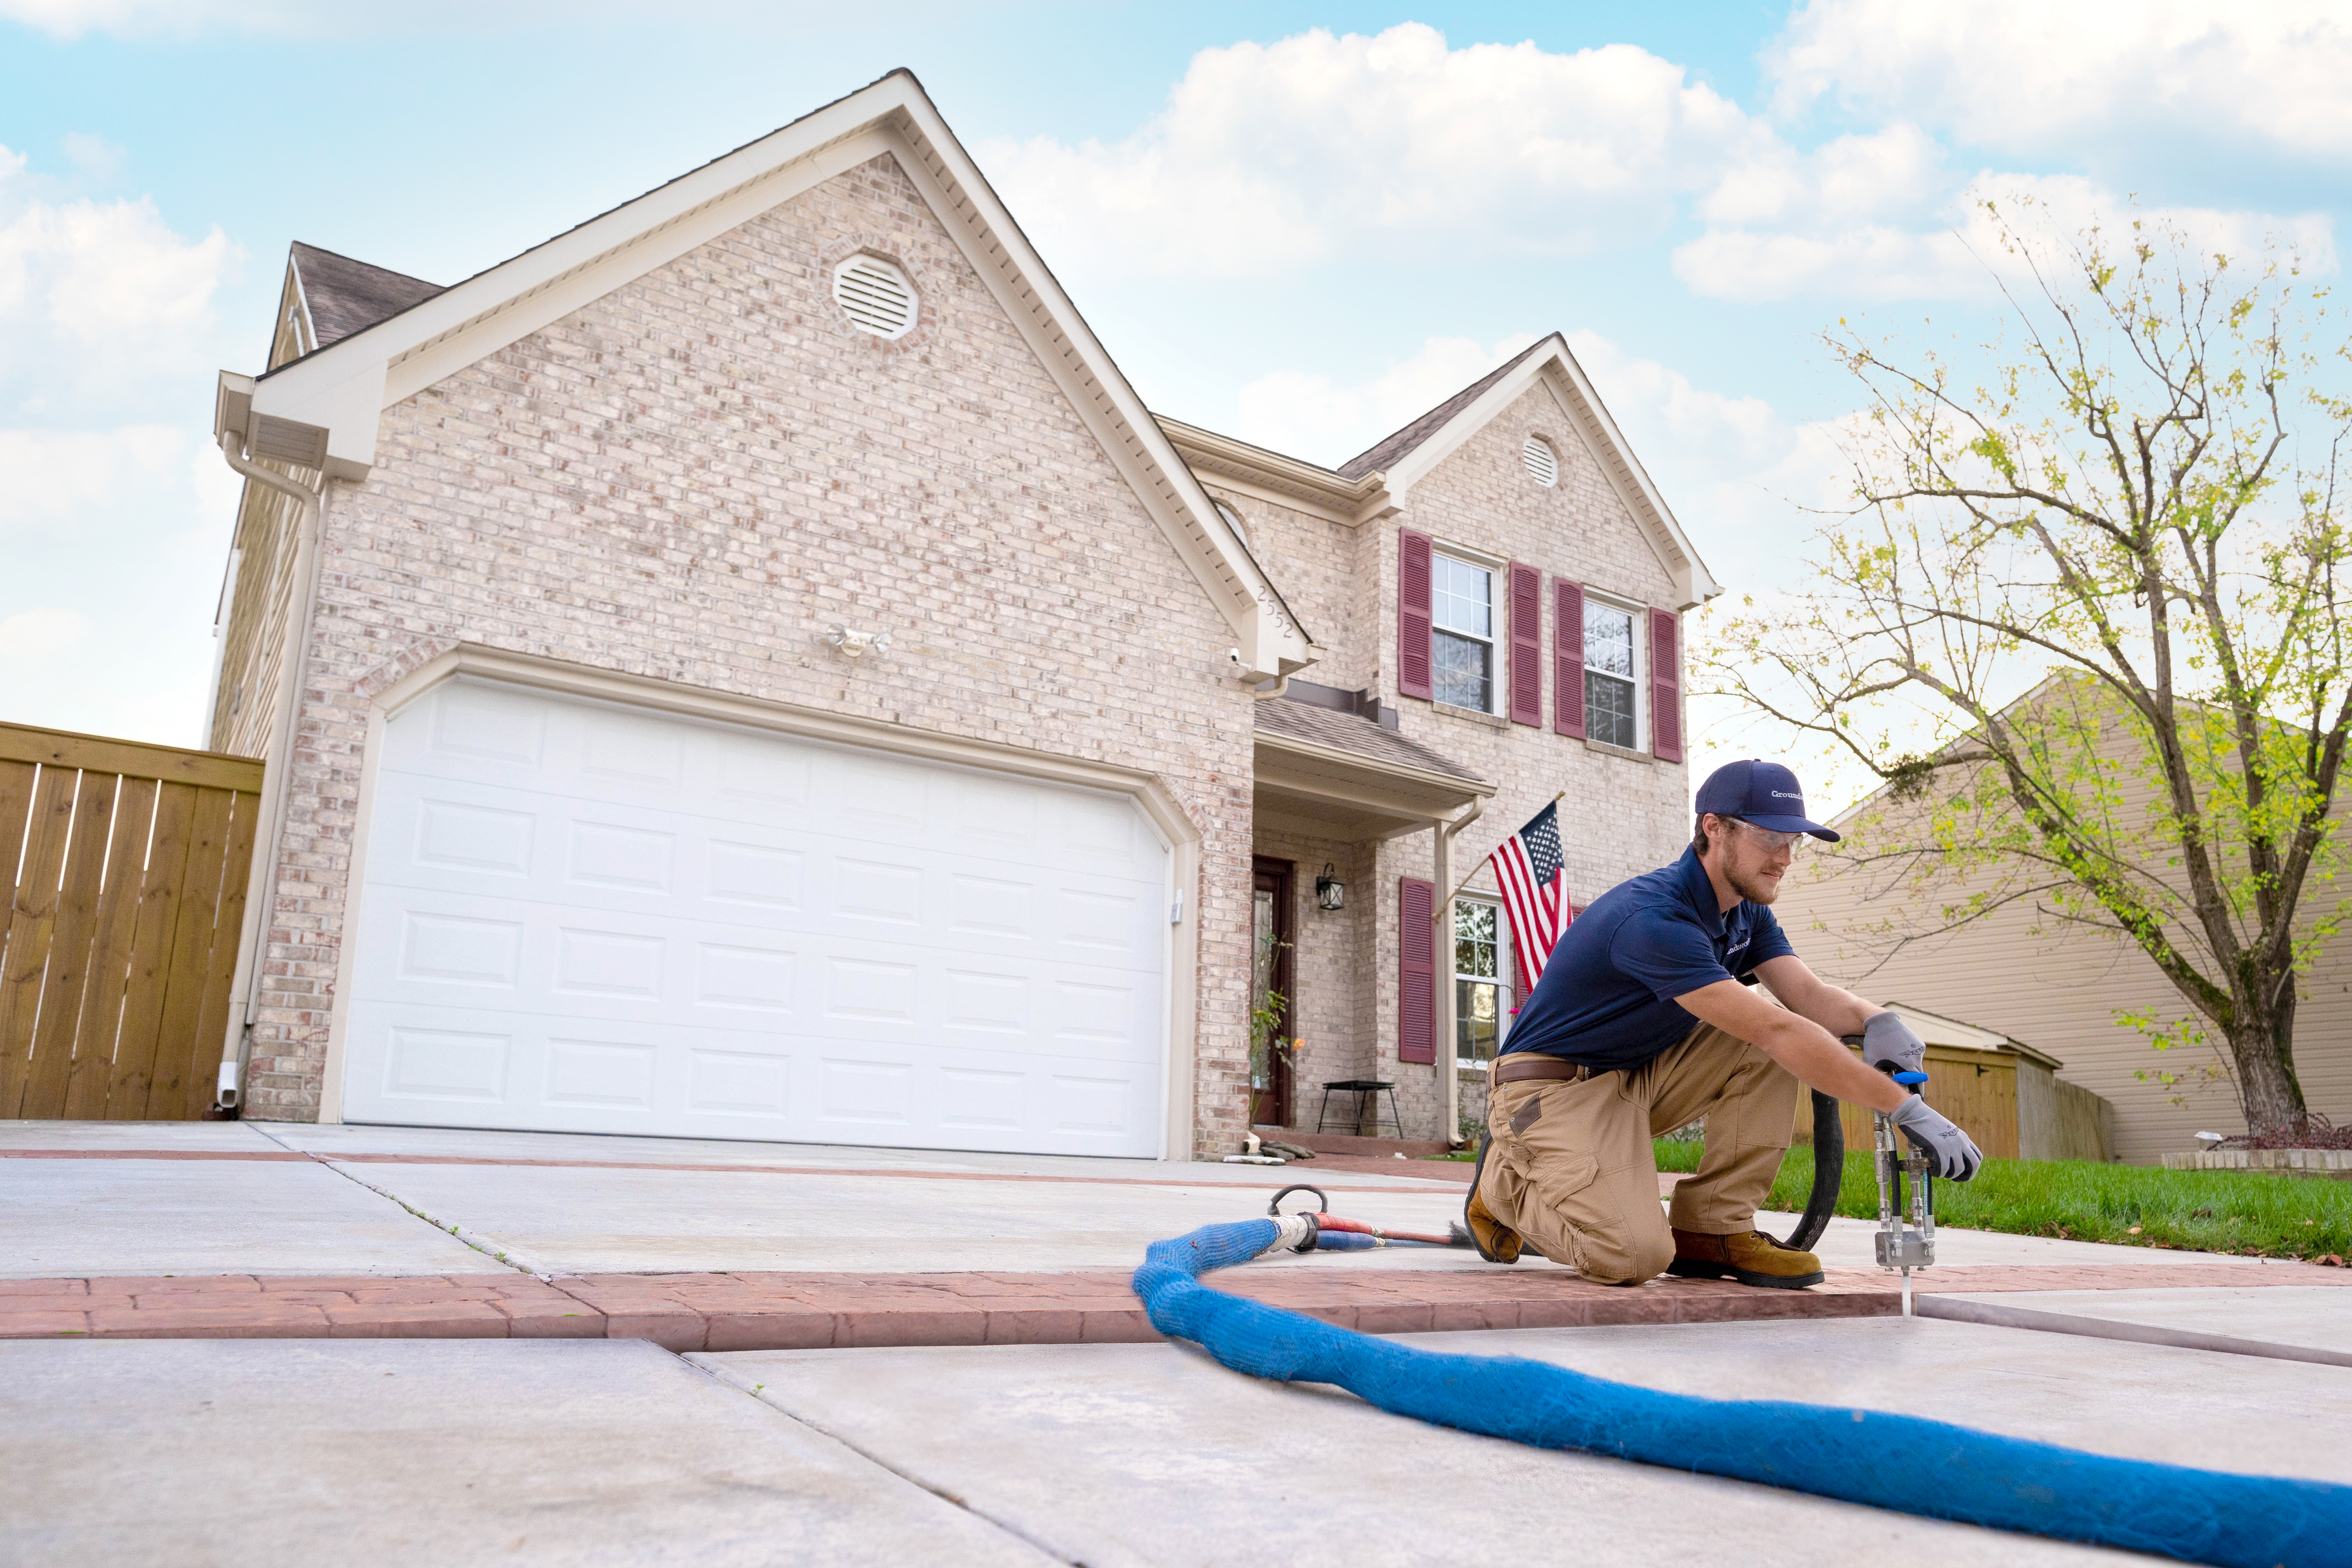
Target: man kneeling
[1606,1054]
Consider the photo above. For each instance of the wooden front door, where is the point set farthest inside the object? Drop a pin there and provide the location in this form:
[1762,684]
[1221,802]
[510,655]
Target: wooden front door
[1272,929]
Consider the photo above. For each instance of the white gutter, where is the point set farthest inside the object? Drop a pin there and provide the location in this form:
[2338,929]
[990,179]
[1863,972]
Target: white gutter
[225,607]
[261,877]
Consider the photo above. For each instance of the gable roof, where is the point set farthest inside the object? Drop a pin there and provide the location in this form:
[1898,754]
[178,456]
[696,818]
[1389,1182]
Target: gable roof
[343,295]
[1389,450]
[1375,483]
[329,400]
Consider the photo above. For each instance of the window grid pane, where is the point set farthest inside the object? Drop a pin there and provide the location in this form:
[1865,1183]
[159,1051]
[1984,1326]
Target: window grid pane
[1608,640]
[1462,597]
[1477,1020]
[1609,709]
[1478,999]
[1464,671]
[1476,951]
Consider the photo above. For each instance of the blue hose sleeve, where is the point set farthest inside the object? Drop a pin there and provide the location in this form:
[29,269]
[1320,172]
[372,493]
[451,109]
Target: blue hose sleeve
[1897,1462]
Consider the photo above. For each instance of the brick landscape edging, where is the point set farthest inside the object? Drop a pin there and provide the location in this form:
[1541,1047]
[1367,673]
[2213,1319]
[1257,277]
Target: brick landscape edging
[806,1310]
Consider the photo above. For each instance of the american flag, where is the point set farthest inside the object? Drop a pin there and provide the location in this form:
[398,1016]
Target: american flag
[1535,892]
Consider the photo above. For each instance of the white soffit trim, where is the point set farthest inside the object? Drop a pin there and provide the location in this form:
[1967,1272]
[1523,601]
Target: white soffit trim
[1553,364]
[345,387]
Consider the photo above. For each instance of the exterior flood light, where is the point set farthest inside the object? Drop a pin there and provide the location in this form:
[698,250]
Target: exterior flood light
[1330,893]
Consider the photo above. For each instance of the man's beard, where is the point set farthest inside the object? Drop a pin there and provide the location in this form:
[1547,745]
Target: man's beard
[1751,887]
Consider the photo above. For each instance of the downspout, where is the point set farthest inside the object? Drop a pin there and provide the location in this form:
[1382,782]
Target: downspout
[222,613]
[261,877]
[1449,1074]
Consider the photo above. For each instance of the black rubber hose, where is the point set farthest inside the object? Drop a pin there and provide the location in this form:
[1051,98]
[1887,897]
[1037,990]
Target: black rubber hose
[1829,1168]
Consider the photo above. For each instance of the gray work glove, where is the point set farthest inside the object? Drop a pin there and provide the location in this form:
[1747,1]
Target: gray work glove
[1951,1153]
[1887,1038]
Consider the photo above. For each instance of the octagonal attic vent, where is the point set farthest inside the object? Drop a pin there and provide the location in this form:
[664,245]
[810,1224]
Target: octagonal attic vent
[1542,461]
[877,295]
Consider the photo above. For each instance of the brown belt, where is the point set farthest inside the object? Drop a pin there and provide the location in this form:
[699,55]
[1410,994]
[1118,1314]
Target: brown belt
[1534,1064]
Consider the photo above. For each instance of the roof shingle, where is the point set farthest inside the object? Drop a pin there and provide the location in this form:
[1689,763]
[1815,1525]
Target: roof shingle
[1389,451]
[1353,733]
[347,296]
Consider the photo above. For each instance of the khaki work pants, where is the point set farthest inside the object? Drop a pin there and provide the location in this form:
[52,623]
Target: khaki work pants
[1573,1171]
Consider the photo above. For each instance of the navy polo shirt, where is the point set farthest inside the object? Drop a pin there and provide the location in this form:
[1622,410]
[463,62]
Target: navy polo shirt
[1607,996]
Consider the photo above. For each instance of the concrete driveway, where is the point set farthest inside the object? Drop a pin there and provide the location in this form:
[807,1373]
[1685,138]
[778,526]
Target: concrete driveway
[534,1445]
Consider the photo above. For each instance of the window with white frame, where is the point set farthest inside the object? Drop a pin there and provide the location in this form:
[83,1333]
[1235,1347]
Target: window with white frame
[1481,994]
[1609,676]
[1462,641]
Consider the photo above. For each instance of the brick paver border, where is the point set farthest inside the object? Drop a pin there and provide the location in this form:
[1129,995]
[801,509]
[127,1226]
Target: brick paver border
[723,1312]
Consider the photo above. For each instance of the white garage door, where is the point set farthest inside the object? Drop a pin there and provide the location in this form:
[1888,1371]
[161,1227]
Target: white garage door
[584,918]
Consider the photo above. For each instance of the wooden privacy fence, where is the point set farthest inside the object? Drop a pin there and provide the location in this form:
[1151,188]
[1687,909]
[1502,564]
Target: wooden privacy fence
[127,864]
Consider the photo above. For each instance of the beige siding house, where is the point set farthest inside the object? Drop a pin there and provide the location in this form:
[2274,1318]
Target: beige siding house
[752,668]
[2055,986]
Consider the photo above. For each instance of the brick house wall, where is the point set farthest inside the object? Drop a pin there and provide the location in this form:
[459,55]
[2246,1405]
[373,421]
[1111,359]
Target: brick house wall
[688,480]
[1343,580]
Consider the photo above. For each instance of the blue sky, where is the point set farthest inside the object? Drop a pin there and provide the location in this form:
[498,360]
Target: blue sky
[1297,223]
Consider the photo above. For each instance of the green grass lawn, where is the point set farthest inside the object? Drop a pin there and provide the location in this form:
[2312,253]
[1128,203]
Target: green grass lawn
[2202,1211]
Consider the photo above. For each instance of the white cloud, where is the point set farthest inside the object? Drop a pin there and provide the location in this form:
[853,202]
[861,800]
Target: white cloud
[96,156]
[1748,485]
[56,478]
[1963,257]
[97,297]
[2026,76]
[1876,175]
[114,541]
[1307,416]
[1270,156]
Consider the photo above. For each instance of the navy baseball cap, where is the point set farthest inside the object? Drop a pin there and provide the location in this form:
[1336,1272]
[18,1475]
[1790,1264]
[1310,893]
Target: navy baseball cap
[1764,794]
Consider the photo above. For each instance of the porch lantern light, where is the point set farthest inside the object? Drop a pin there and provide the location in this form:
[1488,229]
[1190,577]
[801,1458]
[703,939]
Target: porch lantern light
[1330,893]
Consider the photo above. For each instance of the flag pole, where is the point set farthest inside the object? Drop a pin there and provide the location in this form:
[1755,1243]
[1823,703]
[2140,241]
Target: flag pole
[1481,863]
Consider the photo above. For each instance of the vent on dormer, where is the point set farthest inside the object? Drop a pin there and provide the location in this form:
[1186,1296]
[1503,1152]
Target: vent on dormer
[876,296]
[1541,461]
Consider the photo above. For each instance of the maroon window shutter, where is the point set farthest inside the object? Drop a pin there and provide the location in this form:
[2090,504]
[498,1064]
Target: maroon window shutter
[1665,686]
[1526,645]
[1416,970]
[1568,658]
[1412,615]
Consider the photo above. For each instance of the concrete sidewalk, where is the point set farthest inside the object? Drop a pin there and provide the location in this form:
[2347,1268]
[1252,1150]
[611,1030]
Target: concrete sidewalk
[277,1199]
[262,1454]
[274,1231]
[1118,1454]
[589,1266]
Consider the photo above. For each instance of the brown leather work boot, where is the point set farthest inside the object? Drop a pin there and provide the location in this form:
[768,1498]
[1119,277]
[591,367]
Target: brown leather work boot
[1750,1257]
[1495,1242]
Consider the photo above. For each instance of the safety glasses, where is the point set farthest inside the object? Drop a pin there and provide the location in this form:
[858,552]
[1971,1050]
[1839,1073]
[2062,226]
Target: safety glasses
[1773,843]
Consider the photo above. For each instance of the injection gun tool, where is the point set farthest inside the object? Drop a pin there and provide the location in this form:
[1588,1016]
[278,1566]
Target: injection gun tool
[1906,1233]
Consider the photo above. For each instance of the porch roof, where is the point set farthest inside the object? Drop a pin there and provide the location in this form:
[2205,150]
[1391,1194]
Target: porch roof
[1327,774]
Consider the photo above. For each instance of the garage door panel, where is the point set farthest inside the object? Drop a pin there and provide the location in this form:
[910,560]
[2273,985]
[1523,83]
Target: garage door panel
[583,917]
[610,1075]
[740,1083]
[502,842]
[452,1067]
[456,948]
[447,1064]
[472,728]
[514,955]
